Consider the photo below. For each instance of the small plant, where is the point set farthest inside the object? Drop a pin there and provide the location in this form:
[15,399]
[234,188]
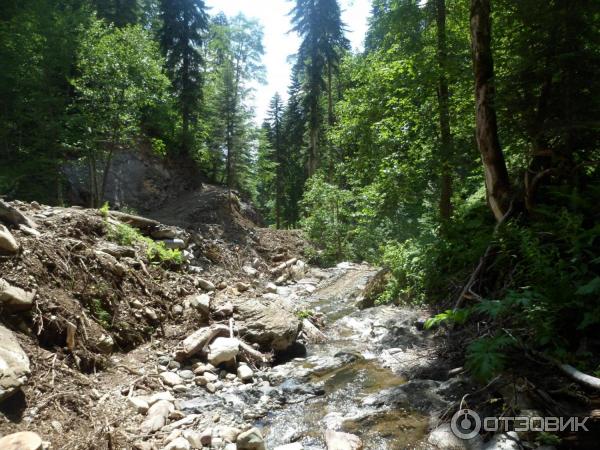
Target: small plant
[104,210]
[486,357]
[101,314]
[304,314]
[459,317]
[155,251]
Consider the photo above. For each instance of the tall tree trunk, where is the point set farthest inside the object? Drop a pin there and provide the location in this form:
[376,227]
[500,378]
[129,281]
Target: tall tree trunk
[446,152]
[496,176]
[330,117]
[313,151]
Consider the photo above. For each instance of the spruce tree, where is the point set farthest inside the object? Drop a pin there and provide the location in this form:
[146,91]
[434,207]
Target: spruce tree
[185,23]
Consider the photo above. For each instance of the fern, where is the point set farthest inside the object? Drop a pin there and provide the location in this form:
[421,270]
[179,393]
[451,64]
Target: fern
[459,317]
[486,356]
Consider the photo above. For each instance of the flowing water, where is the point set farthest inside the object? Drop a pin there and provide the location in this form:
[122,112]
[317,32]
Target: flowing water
[342,372]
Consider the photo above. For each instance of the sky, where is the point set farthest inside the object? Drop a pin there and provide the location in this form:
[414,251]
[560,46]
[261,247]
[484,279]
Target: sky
[279,44]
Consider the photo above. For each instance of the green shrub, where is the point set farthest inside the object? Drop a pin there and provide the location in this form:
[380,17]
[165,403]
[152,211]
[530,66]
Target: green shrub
[155,251]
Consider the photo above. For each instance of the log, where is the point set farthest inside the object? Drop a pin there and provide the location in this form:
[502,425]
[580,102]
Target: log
[281,267]
[13,216]
[142,223]
[580,377]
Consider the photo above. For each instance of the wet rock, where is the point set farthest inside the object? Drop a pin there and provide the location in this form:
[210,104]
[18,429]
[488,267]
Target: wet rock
[416,394]
[374,288]
[443,438]
[210,387]
[205,284]
[8,244]
[504,441]
[170,378]
[24,440]
[223,350]
[271,324]
[245,373]
[13,299]
[14,364]
[336,440]
[293,446]
[251,440]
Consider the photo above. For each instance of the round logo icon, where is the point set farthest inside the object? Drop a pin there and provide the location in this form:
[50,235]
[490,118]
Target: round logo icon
[465,424]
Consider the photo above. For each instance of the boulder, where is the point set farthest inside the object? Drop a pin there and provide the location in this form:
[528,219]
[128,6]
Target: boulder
[271,324]
[504,441]
[14,364]
[251,440]
[443,438]
[174,244]
[196,341]
[337,440]
[24,440]
[223,350]
[171,378]
[157,416]
[245,373]
[14,299]
[139,404]
[8,244]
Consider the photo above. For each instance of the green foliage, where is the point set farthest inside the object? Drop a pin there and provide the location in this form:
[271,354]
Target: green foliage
[124,234]
[327,221]
[304,314]
[104,210]
[486,357]
[100,313]
[458,317]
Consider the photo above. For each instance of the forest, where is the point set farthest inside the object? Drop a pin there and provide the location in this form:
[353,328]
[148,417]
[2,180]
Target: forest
[459,149]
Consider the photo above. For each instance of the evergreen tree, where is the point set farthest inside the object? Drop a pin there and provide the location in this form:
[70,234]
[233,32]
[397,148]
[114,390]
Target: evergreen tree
[319,24]
[185,23]
[275,123]
[118,12]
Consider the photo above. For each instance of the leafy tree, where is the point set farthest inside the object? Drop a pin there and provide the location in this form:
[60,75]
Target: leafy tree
[120,76]
[185,22]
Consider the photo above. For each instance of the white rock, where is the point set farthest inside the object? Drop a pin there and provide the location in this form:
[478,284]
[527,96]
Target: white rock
[205,284]
[504,441]
[180,443]
[443,438]
[227,433]
[14,364]
[24,440]
[178,244]
[251,440]
[160,396]
[223,350]
[157,416]
[170,378]
[244,372]
[140,405]
[194,438]
[271,288]
[249,270]
[210,377]
[8,244]
[14,299]
[293,446]
[242,287]
[200,302]
[336,440]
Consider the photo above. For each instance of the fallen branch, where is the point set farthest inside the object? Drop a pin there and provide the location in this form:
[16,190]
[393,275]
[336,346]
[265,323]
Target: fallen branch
[580,377]
[281,267]
[255,354]
[142,223]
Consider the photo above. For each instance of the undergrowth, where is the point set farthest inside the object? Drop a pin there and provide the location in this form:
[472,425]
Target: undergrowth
[124,234]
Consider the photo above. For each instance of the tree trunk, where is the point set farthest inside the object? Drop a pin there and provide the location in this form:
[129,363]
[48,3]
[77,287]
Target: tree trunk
[444,110]
[313,151]
[329,95]
[496,176]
